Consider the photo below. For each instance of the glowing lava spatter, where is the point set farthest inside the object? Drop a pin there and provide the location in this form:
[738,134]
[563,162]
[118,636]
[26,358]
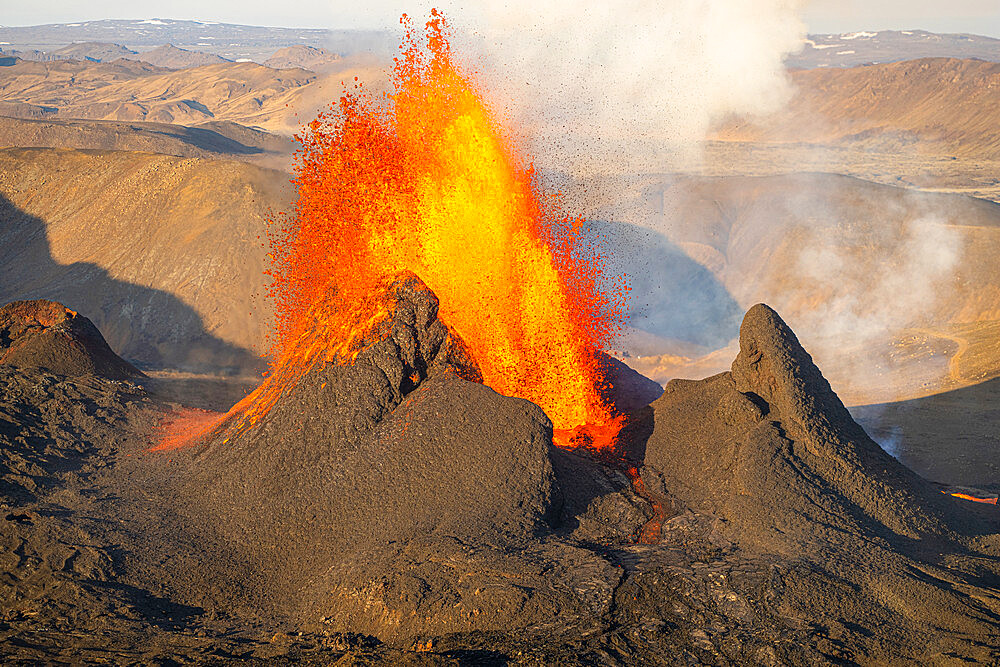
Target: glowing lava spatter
[421,180]
[965,496]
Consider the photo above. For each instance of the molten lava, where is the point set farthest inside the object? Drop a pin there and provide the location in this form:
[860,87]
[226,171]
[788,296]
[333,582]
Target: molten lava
[965,496]
[422,180]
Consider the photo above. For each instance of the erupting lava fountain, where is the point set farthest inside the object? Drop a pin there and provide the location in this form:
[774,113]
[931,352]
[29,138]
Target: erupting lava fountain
[421,179]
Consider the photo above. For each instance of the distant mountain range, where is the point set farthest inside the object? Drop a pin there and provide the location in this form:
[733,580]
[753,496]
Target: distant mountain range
[172,57]
[947,106]
[315,48]
[227,40]
[887,46]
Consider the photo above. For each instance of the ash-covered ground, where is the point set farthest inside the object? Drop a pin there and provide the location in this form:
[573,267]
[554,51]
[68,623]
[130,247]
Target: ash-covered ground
[394,510]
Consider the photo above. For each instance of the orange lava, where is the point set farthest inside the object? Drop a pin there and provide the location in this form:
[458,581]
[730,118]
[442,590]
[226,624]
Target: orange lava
[180,428]
[652,530]
[965,496]
[421,179]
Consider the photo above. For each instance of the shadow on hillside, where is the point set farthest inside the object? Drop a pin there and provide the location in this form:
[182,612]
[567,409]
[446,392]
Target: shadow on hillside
[950,438]
[671,296]
[149,327]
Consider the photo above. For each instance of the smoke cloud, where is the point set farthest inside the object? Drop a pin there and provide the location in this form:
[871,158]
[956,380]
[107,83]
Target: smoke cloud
[896,287]
[596,86]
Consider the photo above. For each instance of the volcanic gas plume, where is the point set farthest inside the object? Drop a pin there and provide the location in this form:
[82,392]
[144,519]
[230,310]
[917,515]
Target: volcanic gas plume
[422,180]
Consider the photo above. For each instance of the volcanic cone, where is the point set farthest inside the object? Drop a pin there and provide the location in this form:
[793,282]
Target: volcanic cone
[46,335]
[381,449]
[770,450]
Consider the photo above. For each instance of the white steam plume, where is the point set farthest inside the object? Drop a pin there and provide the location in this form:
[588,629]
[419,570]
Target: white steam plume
[615,86]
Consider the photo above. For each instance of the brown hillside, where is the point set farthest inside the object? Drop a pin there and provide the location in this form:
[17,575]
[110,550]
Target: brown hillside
[133,90]
[162,252]
[212,140]
[173,57]
[305,57]
[930,105]
[94,51]
[57,82]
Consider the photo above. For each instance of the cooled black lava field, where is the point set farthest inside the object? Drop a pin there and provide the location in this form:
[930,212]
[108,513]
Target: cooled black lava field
[394,510]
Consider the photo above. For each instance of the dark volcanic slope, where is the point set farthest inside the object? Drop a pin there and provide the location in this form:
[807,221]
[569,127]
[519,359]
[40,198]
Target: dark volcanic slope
[753,522]
[771,451]
[391,497]
[393,447]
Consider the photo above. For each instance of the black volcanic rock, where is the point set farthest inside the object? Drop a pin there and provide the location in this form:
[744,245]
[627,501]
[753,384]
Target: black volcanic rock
[64,394]
[46,335]
[625,388]
[393,508]
[771,447]
[394,446]
[771,451]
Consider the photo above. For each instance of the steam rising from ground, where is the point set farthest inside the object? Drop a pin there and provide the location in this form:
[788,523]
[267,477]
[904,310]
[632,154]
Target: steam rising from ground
[900,287]
[896,280]
[853,267]
[614,86]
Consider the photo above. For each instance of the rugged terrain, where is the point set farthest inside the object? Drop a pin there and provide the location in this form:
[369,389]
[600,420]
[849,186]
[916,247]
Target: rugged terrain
[216,139]
[133,90]
[183,292]
[744,518]
[277,100]
[174,57]
[473,539]
[929,105]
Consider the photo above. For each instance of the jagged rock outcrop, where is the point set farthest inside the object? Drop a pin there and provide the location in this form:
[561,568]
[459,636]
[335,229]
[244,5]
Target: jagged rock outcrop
[771,451]
[771,448]
[46,335]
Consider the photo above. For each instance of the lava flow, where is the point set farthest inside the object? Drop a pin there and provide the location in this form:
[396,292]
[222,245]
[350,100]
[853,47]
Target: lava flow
[422,180]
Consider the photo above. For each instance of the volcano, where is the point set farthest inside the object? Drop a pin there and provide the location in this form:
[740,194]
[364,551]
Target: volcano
[388,502]
[392,494]
[442,466]
[441,457]
[46,335]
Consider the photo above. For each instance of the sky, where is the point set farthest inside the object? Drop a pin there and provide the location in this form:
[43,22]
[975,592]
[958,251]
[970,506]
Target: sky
[975,16]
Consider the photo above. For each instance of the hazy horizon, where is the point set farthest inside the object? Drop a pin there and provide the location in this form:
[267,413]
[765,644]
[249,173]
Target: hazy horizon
[820,16]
